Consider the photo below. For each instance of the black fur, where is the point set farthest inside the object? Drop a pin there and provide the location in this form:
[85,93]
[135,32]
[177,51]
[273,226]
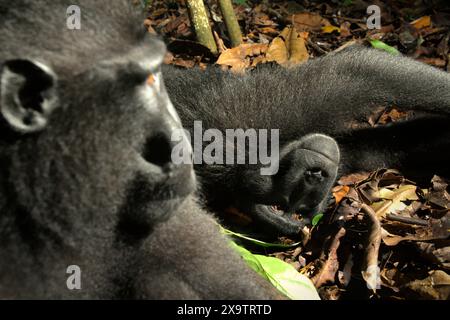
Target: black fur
[85,172]
[326,96]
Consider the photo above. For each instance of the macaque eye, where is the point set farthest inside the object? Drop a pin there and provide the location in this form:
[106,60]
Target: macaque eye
[154,80]
[151,79]
[315,175]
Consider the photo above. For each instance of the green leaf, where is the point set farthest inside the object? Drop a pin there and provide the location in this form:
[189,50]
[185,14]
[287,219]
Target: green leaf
[377,44]
[316,219]
[256,241]
[282,275]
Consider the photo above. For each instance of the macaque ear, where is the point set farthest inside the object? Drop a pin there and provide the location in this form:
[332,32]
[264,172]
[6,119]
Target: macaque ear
[27,95]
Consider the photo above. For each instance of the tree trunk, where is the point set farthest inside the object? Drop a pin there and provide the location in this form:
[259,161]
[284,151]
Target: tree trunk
[200,21]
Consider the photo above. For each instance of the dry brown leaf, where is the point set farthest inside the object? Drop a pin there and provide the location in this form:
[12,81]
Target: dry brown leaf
[278,51]
[238,58]
[393,200]
[307,21]
[411,209]
[389,278]
[382,208]
[288,49]
[339,192]
[268,30]
[422,22]
[392,115]
[258,60]
[436,286]
[345,29]
[168,58]
[404,192]
[262,19]
[297,48]
[176,23]
[437,229]
[391,240]
[382,178]
[183,63]
[438,194]
[433,253]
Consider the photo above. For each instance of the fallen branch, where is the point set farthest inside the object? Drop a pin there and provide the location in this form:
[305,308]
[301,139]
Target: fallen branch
[408,220]
[328,261]
[370,270]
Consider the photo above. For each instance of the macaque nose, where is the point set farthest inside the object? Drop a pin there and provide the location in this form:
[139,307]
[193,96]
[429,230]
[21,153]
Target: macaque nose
[158,150]
[170,150]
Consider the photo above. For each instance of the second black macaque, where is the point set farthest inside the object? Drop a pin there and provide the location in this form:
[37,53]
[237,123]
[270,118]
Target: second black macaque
[314,107]
[91,204]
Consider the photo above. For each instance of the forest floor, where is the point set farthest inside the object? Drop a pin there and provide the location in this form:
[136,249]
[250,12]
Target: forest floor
[379,219]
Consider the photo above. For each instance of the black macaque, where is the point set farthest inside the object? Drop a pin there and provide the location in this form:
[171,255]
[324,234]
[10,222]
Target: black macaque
[86,177]
[314,107]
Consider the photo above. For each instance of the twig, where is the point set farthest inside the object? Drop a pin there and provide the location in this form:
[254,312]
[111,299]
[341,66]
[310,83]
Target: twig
[316,46]
[408,220]
[276,15]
